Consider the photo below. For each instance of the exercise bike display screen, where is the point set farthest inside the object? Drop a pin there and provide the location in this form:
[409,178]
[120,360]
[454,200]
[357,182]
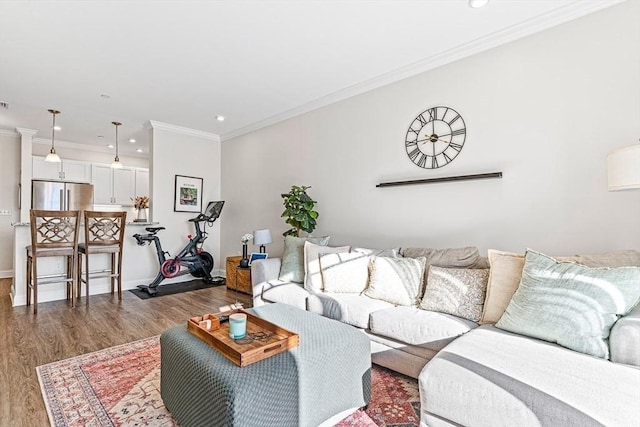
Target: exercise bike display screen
[214,209]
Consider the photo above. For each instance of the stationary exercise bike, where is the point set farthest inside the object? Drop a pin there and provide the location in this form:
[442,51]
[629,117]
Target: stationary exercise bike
[192,259]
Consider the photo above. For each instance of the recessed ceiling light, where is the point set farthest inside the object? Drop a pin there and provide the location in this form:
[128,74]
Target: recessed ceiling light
[139,150]
[477,3]
[110,145]
[100,136]
[220,118]
[132,141]
[57,128]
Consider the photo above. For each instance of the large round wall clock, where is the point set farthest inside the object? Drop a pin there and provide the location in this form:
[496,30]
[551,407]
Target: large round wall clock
[435,137]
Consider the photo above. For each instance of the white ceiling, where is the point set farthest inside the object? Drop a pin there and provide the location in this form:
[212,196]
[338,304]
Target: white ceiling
[255,62]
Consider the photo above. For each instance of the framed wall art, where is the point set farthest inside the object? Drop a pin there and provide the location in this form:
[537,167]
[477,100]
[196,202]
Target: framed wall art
[188,194]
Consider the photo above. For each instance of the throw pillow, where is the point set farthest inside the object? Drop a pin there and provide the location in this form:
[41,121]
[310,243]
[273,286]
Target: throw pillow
[450,257]
[457,291]
[391,252]
[292,267]
[395,280]
[570,304]
[504,278]
[344,272]
[312,275]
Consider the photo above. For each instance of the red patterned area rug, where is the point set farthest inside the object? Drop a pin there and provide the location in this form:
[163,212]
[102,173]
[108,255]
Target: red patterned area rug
[120,386]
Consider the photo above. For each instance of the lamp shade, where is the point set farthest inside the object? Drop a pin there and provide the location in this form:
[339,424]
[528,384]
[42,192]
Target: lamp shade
[623,168]
[262,237]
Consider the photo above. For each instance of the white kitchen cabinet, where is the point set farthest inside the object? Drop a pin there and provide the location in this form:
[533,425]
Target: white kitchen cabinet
[66,170]
[142,182]
[113,186]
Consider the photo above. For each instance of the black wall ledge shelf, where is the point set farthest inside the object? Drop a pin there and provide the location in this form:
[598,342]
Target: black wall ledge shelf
[443,179]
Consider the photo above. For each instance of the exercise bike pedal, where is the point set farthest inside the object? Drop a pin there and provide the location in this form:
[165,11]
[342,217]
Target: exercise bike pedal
[151,291]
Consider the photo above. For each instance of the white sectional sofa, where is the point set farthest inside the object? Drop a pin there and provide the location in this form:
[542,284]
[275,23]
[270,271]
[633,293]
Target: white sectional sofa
[472,372]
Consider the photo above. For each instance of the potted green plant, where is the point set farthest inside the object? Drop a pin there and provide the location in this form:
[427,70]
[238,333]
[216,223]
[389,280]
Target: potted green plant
[298,211]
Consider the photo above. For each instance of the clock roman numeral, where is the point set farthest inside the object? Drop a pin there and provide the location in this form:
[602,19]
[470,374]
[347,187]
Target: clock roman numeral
[413,154]
[433,113]
[423,160]
[455,146]
[434,163]
[447,159]
[411,143]
[459,132]
[422,120]
[455,119]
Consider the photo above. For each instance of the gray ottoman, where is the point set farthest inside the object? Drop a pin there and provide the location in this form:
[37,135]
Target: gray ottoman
[329,372]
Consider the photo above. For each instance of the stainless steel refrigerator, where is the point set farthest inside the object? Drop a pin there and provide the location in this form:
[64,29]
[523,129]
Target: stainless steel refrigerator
[61,196]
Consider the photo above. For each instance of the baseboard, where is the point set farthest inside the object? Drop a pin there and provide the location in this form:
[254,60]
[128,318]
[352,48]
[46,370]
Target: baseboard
[6,273]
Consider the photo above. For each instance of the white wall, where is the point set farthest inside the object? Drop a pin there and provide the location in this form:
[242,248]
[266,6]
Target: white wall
[544,110]
[179,154]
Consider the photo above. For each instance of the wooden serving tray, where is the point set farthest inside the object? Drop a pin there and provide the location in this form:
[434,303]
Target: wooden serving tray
[268,339]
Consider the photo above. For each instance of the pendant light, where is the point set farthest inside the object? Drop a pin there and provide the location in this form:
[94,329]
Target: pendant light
[116,161]
[53,156]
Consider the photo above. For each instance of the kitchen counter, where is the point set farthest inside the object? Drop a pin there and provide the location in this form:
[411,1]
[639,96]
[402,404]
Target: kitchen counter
[139,266]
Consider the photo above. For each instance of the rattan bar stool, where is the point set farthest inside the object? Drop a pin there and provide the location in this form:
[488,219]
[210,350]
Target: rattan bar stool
[103,234]
[53,233]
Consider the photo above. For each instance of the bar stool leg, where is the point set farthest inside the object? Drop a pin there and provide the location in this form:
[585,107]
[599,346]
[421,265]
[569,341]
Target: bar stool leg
[119,276]
[28,280]
[34,279]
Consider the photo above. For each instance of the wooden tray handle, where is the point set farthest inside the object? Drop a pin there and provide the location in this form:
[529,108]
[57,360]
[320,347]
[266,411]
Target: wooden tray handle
[272,348]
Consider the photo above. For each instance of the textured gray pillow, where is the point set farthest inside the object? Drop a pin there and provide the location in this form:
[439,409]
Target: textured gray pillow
[395,280]
[457,291]
[467,257]
[570,304]
[292,268]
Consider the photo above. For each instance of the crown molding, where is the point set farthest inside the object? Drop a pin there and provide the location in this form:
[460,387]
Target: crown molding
[182,130]
[8,132]
[26,132]
[551,19]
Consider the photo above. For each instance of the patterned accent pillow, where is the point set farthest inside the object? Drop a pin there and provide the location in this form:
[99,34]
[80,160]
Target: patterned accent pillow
[344,272]
[292,267]
[457,291]
[395,280]
[312,274]
[570,304]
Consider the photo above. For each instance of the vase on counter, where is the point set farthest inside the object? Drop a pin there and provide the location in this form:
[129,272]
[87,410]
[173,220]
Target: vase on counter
[141,215]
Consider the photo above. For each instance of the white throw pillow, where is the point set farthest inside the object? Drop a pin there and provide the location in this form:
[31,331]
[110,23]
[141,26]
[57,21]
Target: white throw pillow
[395,280]
[344,272]
[312,275]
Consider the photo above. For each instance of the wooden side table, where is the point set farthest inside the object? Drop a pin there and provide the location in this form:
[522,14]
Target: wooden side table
[237,277]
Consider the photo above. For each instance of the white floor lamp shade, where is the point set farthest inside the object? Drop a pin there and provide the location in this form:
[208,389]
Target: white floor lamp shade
[623,168]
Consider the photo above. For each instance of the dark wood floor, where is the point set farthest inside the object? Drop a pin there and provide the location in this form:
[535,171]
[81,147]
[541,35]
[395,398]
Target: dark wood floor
[58,332]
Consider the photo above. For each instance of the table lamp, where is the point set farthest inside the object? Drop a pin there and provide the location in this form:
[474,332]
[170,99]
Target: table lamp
[262,237]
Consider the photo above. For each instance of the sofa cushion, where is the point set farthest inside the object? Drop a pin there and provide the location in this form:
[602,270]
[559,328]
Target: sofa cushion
[286,292]
[345,272]
[292,267]
[414,326]
[570,304]
[347,308]
[457,291]
[395,280]
[312,275]
[621,258]
[511,380]
[624,341]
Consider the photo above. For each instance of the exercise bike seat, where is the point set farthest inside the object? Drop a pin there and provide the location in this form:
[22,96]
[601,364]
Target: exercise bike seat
[154,230]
